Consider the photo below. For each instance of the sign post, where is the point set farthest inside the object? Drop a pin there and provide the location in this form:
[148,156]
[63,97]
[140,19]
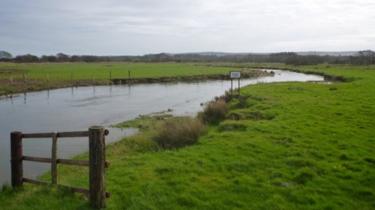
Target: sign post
[235,75]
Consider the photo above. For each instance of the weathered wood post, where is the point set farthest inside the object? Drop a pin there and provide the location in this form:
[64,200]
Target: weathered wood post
[54,159]
[16,158]
[97,165]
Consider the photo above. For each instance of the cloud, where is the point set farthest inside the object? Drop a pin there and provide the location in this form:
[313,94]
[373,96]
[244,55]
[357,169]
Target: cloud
[147,26]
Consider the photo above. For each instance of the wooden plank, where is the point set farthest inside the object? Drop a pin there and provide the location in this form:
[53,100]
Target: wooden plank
[97,166]
[70,134]
[16,158]
[53,160]
[84,191]
[73,162]
[76,189]
[33,181]
[73,189]
[37,159]
[73,134]
[59,161]
[37,135]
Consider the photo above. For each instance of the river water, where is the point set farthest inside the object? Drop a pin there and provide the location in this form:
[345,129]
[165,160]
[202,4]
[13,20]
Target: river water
[74,109]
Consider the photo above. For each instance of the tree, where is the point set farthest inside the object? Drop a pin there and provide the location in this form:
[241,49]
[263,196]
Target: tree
[48,58]
[5,55]
[61,57]
[28,58]
[366,57]
[75,58]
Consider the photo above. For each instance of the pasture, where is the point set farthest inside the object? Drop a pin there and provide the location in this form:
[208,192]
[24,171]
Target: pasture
[283,146]
[19,77]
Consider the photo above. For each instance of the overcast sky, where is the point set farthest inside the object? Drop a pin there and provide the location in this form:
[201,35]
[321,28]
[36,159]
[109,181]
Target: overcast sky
[132,27]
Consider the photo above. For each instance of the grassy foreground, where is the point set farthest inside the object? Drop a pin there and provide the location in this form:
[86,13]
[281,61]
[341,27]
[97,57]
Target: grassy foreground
[285,146]
[18,77]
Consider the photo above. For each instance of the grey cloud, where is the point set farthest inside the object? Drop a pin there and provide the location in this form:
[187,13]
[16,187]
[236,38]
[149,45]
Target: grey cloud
[148,26]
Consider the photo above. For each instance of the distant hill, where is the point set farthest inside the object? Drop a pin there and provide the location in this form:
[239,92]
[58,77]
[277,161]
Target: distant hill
[330,53]
[295,58]
[223,54]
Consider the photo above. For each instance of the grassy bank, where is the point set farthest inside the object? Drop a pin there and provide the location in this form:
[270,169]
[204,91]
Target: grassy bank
[18,77]
[282,146]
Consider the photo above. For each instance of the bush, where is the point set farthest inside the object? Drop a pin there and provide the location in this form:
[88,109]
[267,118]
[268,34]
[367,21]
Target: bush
[214,112]
[179,132]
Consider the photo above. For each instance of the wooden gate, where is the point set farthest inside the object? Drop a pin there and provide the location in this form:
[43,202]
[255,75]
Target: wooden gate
[96,162]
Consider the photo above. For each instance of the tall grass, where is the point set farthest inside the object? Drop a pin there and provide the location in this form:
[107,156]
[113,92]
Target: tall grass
[214,112]
[179,132]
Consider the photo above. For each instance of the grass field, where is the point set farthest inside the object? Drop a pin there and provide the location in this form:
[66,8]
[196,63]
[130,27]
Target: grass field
[51,75]
[293,146]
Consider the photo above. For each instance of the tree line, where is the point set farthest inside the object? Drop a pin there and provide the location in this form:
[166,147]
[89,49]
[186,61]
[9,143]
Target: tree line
[366,57]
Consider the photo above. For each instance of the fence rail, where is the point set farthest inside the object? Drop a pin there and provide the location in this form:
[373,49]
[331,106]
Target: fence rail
[96,162]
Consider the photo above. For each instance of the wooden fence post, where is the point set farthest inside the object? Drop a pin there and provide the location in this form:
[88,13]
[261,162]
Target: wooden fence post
[54,159]
[16,158]
[97,165]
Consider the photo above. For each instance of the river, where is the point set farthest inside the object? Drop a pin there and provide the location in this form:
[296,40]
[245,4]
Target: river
[77,108]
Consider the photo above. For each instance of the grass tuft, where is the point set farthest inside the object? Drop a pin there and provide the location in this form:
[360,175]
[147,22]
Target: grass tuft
[304,175]
[214,112]
[179,132]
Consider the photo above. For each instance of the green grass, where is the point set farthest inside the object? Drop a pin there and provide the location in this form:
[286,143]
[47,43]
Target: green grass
[294,146]
[145,122]
[101,71]
[52,75]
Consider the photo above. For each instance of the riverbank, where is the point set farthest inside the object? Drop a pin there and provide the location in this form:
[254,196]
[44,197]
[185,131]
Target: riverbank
[283,146]
[19,78]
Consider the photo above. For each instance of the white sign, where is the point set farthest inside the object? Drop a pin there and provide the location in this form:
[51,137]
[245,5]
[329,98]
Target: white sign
[235,74]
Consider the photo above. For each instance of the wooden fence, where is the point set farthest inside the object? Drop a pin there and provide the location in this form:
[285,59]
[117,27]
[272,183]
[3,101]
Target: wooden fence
[96,163]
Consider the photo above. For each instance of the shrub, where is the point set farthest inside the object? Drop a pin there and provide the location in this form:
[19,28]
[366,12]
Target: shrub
[179,132]
[214,112]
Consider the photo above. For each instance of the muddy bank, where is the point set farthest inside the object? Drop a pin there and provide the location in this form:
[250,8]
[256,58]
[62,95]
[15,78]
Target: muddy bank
[9,89]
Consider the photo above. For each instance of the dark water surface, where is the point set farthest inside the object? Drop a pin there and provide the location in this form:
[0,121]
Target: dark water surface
[71,109]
